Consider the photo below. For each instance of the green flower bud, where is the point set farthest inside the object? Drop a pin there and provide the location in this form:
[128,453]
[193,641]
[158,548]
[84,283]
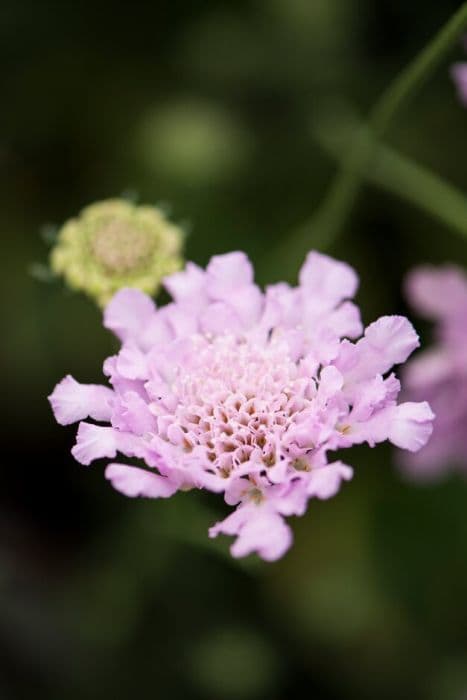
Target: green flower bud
[115,244]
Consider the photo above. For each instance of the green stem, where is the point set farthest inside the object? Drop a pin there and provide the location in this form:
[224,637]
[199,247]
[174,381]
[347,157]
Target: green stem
[410,181]
[327,222]
[416,74]
[418,185]
[401,90]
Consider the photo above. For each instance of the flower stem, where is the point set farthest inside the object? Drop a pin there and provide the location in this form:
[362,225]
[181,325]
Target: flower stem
[327,221]
[415,183]
[412,78]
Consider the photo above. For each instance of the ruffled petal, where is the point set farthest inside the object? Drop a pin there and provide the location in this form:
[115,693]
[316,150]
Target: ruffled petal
[345,321]
[407,426]
[259,529]
[282,306]
[94,442]
[325,482]
[131,413]
[132,482]
[371,395]
[326,281]
[247,303]
[187,285]
[131,363]
[128,313]
[227,273]
[411,426]
[393,338]
[72,401]
[156,333]
[219,318]
[182,320]
[388,341]
[120,383]
[330,383]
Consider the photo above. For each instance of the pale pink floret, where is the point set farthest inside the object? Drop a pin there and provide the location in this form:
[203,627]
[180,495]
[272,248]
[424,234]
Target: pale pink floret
[440,373]
[72,402]
[128,313]
[133,481]
[245,393]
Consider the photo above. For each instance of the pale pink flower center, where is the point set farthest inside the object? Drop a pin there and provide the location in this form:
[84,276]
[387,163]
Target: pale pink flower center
[236,402]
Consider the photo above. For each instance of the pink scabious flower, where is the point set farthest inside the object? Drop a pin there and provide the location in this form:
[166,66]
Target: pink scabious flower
[459,77]
[244,393]
[440,373]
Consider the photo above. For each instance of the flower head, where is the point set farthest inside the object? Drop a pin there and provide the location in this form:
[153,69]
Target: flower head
[440,373]
[245,393]
[113,244]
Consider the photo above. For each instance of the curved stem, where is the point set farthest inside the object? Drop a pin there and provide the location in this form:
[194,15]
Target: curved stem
[412,78]
[415,183]
[327,222]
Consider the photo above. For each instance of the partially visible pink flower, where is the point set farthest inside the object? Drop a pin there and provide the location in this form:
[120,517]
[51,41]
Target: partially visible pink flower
[459,76]
[440,373]
[245,393]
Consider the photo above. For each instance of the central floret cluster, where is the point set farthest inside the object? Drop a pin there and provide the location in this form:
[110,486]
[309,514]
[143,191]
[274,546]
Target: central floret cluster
[245,393]
[239,404]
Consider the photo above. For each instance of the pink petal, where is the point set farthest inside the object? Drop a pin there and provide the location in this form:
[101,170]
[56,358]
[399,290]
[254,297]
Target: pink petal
[120,383]
[411,426]
[324,343]
[227,273]
[132,481]
[325,482]
[182,320]
[288,499]
[72,401]
[131,363]
[236,487]
[131,413]
[387,341]
[232,524]
[156,332]
[128,313]
[282,305]
[326,281]
[345,321]
[187,285]
[247,303]
[94,442]
[330,383]
[219,318]
[371,394]
[258,529]
[393,336]
[268,535]
[408,426]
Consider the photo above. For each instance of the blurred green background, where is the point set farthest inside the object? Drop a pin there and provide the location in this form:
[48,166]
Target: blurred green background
[211,108]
